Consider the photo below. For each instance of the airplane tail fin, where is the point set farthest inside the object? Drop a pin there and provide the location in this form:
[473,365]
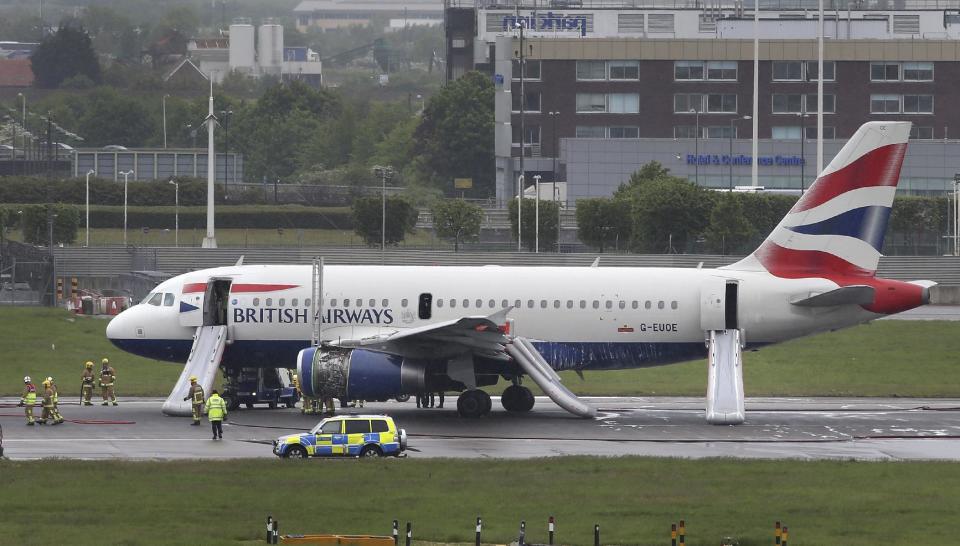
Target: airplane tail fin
[837,226]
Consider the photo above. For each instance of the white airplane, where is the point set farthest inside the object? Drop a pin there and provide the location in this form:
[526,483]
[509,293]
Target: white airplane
[393,330]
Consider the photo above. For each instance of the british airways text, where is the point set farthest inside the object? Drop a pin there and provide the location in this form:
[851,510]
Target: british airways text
[299,316]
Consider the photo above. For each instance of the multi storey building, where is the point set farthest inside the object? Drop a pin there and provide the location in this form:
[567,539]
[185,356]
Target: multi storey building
[673,82]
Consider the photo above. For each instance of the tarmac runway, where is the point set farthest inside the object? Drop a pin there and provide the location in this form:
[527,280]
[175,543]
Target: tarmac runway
[776,428]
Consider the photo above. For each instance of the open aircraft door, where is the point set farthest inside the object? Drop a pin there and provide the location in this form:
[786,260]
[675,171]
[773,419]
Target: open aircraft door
[718,304]
[205,303]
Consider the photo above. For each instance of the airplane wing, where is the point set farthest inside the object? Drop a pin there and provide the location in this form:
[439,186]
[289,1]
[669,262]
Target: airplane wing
[479,335]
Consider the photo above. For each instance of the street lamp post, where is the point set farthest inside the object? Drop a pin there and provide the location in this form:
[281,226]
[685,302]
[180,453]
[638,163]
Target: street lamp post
[521,23]
[384,173]
[696,145]
[176,212]
[225,114]
[803,138]
[730,134]
[163,103]
[91,171]
[125,177]
[556,154]
[536,215]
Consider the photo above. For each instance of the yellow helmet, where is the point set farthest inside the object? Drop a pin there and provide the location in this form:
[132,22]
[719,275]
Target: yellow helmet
[105,361]
[49,379]
[193,379]
[89,364]
[46,383]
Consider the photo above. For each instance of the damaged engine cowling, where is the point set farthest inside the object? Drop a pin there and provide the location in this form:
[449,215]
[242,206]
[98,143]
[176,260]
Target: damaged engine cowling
[360,374]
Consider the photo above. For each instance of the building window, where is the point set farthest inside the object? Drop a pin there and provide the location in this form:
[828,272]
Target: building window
[884,104]
[722,70]
[918,104]
[624,103]
[531,72]
[829,103]
[688,70]
[921,133]
[884,72]
[624,70]
[684,131]
[787,71]
[829,132]
[591,131]
[591,102]
[792,103]
[721,131]
[624,132]
[683,103]
[591,70]
[725,103]
[785,132]
[532,104]
[918,72]
[829,71]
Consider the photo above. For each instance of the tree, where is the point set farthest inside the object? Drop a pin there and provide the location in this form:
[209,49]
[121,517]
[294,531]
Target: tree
[368,219]
[36,228]
[65,54]
[109,117]
[549,219]
[603,222]
[730,232]
[669,214]
[648,172]
[455,135]
[458,220]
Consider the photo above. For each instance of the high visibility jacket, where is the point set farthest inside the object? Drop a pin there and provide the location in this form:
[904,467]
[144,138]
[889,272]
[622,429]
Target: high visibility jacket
[216,408]
[29,396]
[196,394]
[107,376]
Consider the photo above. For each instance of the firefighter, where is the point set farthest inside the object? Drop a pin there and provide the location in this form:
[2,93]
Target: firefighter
[196,396]
[87,380]
[216,413]
[56,401]
[108,376]
[28,399]
[49,411]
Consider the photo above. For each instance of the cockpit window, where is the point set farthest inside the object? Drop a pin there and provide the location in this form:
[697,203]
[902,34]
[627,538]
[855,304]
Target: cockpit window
[168,300]
[146,298]
[156,299]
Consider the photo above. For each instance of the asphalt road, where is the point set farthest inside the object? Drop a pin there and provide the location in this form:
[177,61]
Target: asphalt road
[802,428]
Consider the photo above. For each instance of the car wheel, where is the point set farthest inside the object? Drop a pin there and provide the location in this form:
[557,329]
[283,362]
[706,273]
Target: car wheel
[371,451]
[295,452]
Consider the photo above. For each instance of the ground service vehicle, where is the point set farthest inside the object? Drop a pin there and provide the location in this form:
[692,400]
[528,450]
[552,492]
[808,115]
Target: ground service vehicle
[249,386]
[350,435]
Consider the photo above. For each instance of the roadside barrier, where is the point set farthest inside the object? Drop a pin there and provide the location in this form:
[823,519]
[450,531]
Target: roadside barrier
[678,535]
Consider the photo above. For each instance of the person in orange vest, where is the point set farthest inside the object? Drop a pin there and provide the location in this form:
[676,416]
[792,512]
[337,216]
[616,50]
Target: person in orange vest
[87,381]
[49,410]
[108,376]
[28,399]
[196,397]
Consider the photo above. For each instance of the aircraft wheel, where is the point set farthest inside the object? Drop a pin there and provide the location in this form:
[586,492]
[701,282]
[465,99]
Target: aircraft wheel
[525,400]
[487,403]
[517,399]
[473,403]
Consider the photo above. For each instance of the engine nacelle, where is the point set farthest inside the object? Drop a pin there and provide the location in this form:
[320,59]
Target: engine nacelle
[359,374]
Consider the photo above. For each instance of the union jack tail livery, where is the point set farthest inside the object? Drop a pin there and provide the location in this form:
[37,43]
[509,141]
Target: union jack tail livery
[837,227]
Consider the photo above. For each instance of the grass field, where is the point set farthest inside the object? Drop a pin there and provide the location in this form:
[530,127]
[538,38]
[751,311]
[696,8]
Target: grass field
[885,358]
[245,237]
[633,499]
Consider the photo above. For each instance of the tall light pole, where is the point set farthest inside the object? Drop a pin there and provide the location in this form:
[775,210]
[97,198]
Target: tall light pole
[803,138]
[23,126]
[556,155]
[125,176]
[384,173]
[163,103]
[730,134]
[91,171]
[696,144]
[536,216]
[521,23]
[225,114]
[176,212]
[210,241]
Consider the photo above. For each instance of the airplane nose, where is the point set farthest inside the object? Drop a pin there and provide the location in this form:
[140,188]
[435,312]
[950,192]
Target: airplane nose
[115,328]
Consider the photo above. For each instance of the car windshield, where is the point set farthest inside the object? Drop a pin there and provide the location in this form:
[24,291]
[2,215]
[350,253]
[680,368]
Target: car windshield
[327,427]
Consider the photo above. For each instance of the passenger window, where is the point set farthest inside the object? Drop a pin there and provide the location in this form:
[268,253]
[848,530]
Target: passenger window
[453,303]
[569,304]
[583,304]
[623,304]
[333,302]
[492,304]
[373,302]
[504,304]
[403,303]
[517,304]
[256,302]
[306,302]
[424,309]
[384,302]
[636,304]
[269,302]
[466,304]
[332,427]
[673,305]
[346,302]
[529,304]
[379,425]
[609,304]
[293,302]
[439,302]
[357,426]
[480,304]
[556,304]
[543,304]
[646,304]
[282,301]
[156,299]
[168,300]
[359,302]
[596,304]
[660,304]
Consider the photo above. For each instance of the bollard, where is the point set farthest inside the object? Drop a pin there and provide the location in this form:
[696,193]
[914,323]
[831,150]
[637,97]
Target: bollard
[776,534]
[550,531]
[269,529]
[409,534]
[682,531]
[673,534]
[523,533]
[596,534]
[479,529]
[276,532]
[785,533]
[396,533]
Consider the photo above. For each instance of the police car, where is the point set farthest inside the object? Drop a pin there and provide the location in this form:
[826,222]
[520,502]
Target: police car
[347,435]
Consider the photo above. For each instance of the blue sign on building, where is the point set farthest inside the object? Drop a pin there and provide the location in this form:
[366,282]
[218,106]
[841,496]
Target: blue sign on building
[548,21]
[740,159]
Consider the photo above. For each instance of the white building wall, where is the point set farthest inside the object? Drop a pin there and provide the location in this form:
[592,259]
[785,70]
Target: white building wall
[270,48]
[242,48]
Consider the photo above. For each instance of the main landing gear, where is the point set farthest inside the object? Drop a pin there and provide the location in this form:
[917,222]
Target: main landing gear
[517,399]
[474,403]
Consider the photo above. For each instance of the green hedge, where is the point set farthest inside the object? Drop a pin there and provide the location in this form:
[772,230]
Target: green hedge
[247,216]
[14,189]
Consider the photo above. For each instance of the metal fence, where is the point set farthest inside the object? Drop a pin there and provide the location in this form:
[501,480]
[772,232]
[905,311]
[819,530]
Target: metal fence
[26,275]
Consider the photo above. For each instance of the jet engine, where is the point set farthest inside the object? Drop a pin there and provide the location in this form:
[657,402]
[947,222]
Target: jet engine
[360,374]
